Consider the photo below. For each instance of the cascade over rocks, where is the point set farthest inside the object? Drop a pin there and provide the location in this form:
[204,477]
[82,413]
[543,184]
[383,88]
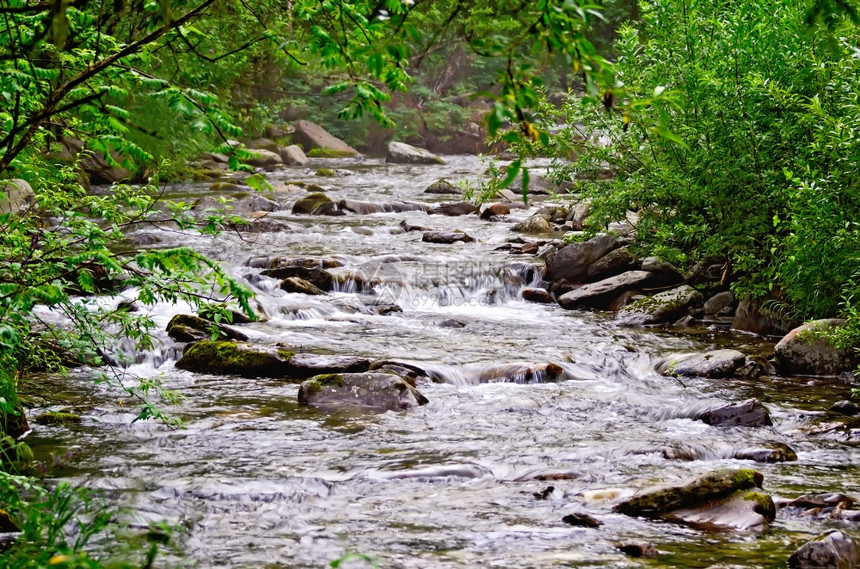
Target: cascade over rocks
[804,350]
[314,275]
[725,498]
[600,294]
[663,307]
[312,136]
[718,363]
[371,391]
[571,262]
[300,285]
[402,153]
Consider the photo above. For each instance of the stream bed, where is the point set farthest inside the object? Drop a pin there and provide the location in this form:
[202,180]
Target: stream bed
[484,473]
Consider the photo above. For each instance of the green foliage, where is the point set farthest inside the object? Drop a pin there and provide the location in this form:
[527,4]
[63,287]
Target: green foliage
[735,138]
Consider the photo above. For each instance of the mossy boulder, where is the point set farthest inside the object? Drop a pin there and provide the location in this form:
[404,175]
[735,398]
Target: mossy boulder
[314,204]
[808,350]
[663,307]
[443,186]
[325,173]
[330,153]
[228,358]
[726,498]
[367,391]
[55,418]
[182,328]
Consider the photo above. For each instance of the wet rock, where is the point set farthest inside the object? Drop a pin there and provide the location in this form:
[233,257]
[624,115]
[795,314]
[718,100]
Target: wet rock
[314,204]
[371,390]
[260,224]
[613,263]
[451,323]
[719,302]
[544,494]
[14,424]
[718,363]
[750,317]
[304,366]
[581,521]
[300,285]
[16,195]
[205,326]
[263,144]
[228,358]
[812,501]
[265,159]
[832,550]
[402,153]
[806,350]
[318,277]
[361,208]
[749,413]
[312,136]
[665,273]
[638,549]
[306,262]
[443,186]
[846,407]
[600,294]
[227,187]
[530,248]
[571,262]
[384,308]
[239,203]
[446,237]
[58,418]
[407,227]
[495,209]
[454,209]
[780,453]
[533,224]
[187,334]
[662,307]
[578,214]
[293,155]
[537,295]
[725,498]
[307,186]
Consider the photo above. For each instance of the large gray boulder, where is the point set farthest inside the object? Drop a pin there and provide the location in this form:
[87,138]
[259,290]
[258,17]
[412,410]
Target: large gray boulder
[261,158]
[725,498]
[602,293]
[833,550]
[666,306]
[571,262]
[718,363]
[402,153]
[293,155]
[17,195]
[312,136]
[806,350]
[371,391]
[613,263]
[749,413]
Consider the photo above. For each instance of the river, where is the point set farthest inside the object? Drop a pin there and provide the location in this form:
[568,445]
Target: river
[255,480]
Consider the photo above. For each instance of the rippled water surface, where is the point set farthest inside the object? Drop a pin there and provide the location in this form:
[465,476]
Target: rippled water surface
[255,480]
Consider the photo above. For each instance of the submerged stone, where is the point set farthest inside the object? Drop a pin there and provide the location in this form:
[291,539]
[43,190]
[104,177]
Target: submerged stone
[371,391]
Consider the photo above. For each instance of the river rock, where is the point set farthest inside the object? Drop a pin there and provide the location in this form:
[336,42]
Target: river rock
[521,373]
[578,214]
[304,366]
[361,208]
[581,521]
[494,210]
[239,203]
[718,363]
[600,294]
[613,263]
[14,424]
[16,195]
[443,186]
[371,390]
[805,350]
[665,273]
[293,155]
[750,317]
[314,204]
[454,209]
[832,550]
[263,143]
[719,302]
[266,159]
[227,188]
[314,275]
[846,407]
[666,306]
[749,413]
[445,237]
[725,498]
[312,136]
[187,321]
[533,224]
[402,153]
[537,295]
[571,262]
[638,549]
[306,262]
[300,285]
[781,452]
[228,358]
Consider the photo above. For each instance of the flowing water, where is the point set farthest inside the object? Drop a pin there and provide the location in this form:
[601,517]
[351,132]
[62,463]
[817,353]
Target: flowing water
[255,480]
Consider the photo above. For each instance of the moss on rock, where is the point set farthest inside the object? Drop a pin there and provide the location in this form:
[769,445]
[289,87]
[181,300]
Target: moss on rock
[55,418]
[234,359]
